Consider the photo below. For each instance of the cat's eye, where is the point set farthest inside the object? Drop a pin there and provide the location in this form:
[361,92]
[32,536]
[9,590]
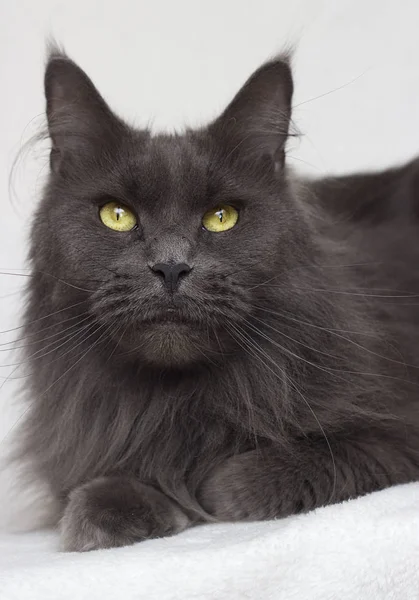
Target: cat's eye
[117,216]
[220,218]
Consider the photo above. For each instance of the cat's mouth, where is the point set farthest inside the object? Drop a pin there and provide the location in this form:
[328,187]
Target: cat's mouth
[171,320]
[170,316]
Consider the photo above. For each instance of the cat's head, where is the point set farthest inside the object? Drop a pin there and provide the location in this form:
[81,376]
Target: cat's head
[170,238]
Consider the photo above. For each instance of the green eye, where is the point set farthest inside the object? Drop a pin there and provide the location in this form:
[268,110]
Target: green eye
[220,218]
[117,217]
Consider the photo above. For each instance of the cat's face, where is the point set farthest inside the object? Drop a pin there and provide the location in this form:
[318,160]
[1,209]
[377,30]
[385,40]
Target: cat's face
[171,237]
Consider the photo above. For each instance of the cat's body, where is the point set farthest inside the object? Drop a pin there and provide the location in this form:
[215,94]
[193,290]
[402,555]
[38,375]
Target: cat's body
[282,373]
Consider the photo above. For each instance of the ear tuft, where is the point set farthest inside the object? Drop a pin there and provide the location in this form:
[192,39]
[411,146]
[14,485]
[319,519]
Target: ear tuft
[54,50]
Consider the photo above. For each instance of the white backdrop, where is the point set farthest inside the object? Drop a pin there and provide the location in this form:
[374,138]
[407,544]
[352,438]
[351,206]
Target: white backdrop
[171,63]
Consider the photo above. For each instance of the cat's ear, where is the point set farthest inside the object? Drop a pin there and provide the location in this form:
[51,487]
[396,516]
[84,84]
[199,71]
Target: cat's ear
[80,122]
[255,124]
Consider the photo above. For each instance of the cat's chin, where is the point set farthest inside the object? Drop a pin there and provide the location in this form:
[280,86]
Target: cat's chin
[169,344]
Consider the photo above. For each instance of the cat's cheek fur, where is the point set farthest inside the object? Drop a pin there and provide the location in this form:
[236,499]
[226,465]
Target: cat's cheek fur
[117,511]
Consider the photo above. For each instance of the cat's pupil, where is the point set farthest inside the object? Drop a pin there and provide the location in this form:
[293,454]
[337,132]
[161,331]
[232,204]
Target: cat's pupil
[220,214]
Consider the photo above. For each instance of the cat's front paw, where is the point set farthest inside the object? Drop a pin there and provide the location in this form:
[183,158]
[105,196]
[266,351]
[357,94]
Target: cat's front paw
[241,489]
[117,511]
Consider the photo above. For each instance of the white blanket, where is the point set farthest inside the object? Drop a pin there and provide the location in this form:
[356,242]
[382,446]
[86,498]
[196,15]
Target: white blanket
[366,549]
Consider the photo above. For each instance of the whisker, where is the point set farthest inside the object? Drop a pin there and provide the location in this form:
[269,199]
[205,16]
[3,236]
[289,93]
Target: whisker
[328,329]
[336,373]
[54,360]
[214,330]
[291,339]
[199,348]
[343,292]
[340,87]
[62,341]
[253,264]
[248,349]
[4,296]
[102,266]
[57,380]
[132,350]
[42,318]
[48,337]
[305,162]
[118,342]
[333,332]
[38,272]
[295,387]
[314,266]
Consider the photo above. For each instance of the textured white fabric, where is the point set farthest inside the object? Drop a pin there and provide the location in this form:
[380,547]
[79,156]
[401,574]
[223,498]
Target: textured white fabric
[366,549]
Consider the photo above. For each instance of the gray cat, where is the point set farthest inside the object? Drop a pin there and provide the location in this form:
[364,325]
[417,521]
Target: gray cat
[209,338]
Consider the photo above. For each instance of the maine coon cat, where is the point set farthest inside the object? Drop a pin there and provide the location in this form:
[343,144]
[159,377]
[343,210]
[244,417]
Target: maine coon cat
[209,338]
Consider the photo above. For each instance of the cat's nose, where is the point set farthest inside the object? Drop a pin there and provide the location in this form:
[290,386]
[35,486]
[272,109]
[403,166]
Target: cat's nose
[171,273]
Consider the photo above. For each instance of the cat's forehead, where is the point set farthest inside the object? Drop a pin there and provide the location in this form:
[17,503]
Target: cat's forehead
[174,158]
[168,169]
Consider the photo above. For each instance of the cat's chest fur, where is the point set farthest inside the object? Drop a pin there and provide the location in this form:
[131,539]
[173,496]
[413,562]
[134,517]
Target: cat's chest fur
[168,430]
